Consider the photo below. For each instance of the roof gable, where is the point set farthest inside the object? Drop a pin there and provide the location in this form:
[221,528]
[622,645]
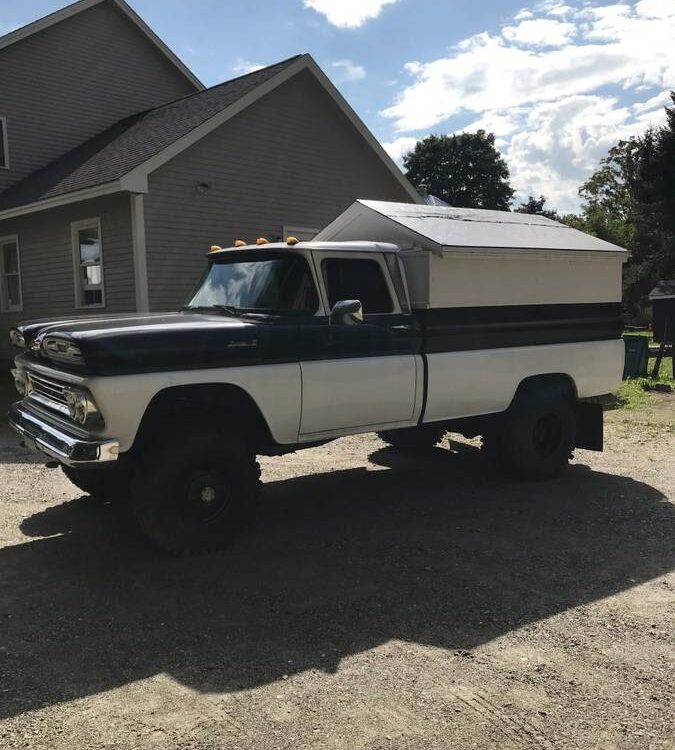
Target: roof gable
[442,228]
[121,157]
[81,5]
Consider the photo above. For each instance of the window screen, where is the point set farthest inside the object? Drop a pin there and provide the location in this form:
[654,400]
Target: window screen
[90,269]
[357,278]
[11,276]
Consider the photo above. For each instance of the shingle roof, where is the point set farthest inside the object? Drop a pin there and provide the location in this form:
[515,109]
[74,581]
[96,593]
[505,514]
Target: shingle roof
[131,142]
[663,289]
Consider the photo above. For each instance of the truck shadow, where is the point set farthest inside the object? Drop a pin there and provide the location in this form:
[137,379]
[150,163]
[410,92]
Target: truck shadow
[435,551]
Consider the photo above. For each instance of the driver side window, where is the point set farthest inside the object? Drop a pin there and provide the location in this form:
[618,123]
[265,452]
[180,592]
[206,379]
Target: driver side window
[357,278]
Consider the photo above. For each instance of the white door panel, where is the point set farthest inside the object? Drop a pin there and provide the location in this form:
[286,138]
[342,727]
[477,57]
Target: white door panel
[358,392]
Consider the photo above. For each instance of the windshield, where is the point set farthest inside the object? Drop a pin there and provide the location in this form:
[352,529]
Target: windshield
[268,284]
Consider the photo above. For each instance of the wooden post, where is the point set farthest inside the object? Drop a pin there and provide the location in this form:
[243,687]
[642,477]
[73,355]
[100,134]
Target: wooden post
[659,356]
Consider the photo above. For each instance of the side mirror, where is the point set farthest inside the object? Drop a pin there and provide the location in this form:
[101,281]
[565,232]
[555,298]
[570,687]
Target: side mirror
[347,312]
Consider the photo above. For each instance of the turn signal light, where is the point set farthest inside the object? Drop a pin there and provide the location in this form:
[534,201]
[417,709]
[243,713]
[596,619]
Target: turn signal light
[214,248]
[239,243]
[261,241]
[291,240]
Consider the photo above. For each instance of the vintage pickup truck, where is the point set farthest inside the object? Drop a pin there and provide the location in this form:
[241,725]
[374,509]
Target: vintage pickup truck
[483,323]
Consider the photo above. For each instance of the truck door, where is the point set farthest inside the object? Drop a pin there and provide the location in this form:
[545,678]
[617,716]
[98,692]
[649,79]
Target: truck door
[368,374]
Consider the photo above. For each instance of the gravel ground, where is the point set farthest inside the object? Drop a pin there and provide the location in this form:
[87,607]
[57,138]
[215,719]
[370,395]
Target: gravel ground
[379,602]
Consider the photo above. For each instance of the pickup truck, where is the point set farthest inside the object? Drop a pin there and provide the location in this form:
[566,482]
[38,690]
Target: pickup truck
[286,345]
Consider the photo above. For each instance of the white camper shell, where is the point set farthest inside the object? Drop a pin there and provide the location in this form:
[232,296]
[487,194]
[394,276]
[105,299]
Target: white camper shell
[462,257]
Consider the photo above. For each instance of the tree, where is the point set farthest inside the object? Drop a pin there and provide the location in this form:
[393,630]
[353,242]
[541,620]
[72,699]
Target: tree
[463,170]
[630,201]
[537,206]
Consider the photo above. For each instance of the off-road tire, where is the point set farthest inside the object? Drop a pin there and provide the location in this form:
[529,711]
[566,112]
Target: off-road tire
[102,482]
[421,438]
[535,438]
[195,492]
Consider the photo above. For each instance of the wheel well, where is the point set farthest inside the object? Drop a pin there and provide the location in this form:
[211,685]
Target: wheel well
[185,406]
[559,383]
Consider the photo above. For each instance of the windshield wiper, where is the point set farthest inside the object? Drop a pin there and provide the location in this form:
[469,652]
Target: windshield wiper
[235,311]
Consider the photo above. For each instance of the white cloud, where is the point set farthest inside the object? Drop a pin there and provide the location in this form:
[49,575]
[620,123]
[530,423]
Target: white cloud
[350,71]
[555,109]
[399,147]
[241,66]
[540,32]
[348,14]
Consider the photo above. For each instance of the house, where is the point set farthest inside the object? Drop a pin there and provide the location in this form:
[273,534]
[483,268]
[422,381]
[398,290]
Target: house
[118,169]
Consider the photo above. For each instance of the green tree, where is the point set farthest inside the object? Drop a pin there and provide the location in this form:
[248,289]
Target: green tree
[463,170]
[630,201]
[537,206]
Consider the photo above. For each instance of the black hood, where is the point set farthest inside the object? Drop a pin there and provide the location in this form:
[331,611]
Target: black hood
[164,341]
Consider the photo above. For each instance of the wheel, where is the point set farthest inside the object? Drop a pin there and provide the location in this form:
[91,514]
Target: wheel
[419,438]
[194,493]
[536,437]
[106,482]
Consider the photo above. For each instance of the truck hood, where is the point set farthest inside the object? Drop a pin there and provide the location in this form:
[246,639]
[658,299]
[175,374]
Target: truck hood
[116,344]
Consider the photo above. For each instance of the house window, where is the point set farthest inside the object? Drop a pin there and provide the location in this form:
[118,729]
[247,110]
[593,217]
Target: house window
[300,233]
[4,147]
[360,279]
[10,272]
[88,263]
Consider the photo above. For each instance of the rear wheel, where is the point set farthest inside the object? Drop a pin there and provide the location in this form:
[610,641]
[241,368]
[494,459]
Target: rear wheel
[423,437]
[195,494]
[536,436]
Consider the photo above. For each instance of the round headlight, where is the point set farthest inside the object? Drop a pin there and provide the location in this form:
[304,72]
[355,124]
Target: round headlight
[17,339]
[22,382]
[80,405]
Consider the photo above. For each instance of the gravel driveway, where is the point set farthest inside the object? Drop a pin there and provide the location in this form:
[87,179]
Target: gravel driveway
[379,602]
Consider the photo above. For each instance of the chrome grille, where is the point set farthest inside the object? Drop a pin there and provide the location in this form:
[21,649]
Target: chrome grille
[49,392]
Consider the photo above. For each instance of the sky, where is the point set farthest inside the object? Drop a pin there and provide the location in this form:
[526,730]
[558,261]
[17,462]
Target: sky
[558,82]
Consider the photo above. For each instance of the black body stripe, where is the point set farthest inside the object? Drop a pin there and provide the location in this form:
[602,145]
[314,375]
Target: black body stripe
[186,341]
[451,329]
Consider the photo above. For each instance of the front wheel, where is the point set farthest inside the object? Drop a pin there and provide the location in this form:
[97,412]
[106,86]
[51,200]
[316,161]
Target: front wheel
[536,437]
[194,494]
[104,482]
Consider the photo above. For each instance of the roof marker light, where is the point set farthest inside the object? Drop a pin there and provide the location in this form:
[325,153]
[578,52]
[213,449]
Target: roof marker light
[291,240]
[261,241]
[214,248]
[239,243]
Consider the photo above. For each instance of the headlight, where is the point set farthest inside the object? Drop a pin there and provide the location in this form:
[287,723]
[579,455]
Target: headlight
[62,349]
[81,406]
[17,339]
[22,382]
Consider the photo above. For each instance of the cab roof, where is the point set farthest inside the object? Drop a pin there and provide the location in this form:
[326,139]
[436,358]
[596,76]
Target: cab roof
[344,247]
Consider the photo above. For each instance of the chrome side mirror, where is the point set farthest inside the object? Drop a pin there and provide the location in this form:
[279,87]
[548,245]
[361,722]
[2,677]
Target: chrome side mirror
[347,312]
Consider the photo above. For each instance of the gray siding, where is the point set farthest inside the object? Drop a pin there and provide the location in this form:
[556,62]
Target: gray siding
[72,80]
[47,261]
[293,158]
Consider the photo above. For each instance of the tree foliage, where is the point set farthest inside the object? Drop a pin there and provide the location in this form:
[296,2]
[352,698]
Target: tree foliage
[630,201]
[463,170]
[537,206]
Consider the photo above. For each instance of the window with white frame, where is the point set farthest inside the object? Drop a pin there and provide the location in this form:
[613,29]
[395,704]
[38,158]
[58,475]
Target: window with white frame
[88,263]
[10,274]
[4,145]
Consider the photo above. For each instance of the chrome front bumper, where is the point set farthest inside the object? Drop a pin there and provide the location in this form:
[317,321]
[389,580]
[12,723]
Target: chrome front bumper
[58,442]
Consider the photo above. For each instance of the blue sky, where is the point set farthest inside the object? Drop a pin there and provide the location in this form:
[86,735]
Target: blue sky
[558,81]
